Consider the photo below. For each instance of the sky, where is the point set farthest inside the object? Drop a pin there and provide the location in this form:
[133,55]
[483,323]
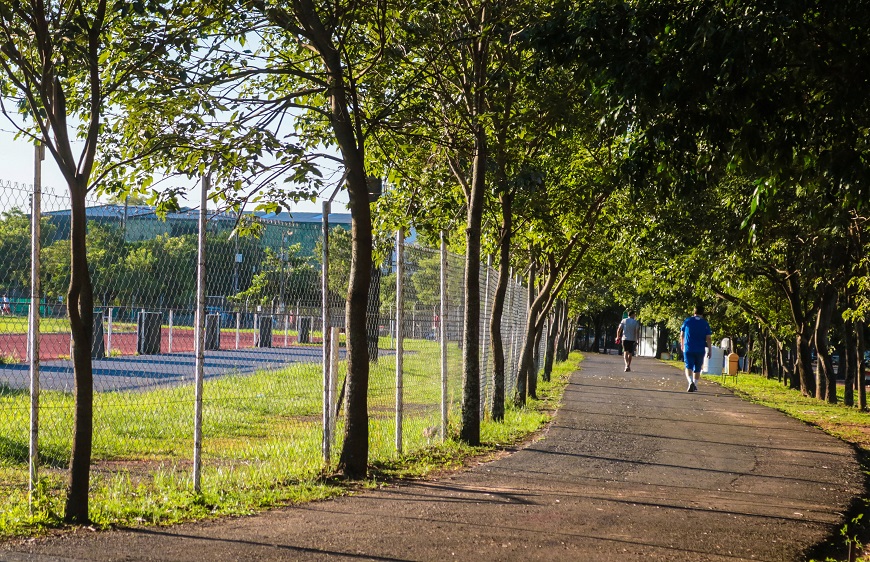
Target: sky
[17,167]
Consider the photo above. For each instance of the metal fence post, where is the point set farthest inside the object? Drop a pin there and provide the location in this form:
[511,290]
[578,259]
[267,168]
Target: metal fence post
[511,373]
[171,324]
[510,318]
[324,290]
[33,324]
[484,386]
[400,336]
[443,337]
[109,332]
[333,379]
[200,338]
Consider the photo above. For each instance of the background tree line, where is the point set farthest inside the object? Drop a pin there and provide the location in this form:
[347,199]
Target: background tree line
[612,154]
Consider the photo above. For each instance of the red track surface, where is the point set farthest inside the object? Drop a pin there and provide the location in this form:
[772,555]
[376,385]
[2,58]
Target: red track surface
[57,346]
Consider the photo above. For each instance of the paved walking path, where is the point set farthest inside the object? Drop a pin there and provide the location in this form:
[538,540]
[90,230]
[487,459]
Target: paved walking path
[633,468]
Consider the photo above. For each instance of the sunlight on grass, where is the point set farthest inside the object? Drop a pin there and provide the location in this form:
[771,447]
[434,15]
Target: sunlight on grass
[261,446]
[845,422]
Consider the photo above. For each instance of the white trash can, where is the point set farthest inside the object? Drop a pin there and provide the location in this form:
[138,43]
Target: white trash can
[713,364]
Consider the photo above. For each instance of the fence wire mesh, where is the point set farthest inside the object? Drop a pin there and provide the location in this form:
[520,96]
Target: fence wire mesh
[263,370]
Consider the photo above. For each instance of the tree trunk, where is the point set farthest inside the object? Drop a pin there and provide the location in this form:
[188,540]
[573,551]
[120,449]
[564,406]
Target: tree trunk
[802,321]
[785,365]
[750,349]
[862,346]
[804,363]
[662,337]
[531,366]
[552,334]
[564,329]
[572,336]
[825,314]
[469,431]
[496,343]
[776,359]
[524,365]
[536,361]
[596,341]
[80,307]
[848,364]
[353,461]
[821,387]
[794,379]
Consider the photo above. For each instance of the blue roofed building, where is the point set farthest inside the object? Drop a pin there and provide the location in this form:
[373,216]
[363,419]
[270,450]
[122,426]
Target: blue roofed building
[141,222]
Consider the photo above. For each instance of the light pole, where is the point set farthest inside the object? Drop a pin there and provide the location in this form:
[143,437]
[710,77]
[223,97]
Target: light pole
[283,262]
[237,259]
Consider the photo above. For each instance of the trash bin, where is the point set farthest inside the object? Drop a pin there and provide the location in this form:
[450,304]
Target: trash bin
[98,345]
[212,332]
[304,330]
[264,338]
[733,364]
[148,333]
[713,364]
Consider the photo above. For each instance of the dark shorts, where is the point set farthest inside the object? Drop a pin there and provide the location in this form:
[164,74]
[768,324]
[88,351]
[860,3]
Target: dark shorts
[629,346]
[694,361]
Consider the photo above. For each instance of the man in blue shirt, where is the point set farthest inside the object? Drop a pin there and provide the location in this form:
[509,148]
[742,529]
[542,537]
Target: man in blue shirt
[696,341]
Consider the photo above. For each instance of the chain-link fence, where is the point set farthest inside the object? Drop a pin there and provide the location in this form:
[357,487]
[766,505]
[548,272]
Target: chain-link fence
[263,391]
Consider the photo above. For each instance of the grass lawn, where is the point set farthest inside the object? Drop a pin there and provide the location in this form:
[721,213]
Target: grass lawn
[261,445]
[51,325]
[845,422]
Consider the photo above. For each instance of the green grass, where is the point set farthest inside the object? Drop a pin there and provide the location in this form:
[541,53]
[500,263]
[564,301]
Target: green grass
[261,446]
[18,325]
[845,422]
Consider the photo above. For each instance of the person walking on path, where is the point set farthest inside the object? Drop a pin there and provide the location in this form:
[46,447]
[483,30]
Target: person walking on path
[628,332]
[696,341]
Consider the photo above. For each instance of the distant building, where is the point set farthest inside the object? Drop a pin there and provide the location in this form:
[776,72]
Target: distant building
[140,222]
[306,228]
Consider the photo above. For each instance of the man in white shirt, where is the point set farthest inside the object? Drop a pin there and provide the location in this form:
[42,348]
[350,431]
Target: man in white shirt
[629,333]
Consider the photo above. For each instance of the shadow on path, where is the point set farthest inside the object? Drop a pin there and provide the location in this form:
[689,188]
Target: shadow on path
[632,468]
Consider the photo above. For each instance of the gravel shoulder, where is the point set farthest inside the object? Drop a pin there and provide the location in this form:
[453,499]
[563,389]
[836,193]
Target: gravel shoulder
[632,468]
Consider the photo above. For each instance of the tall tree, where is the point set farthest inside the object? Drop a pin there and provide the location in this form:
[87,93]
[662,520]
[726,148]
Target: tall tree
[347,40]
[762,89]
[63,64]
[450,70]
[275,92]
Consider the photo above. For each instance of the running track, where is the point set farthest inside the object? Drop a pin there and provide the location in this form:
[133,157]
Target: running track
[57,346]
[129,371]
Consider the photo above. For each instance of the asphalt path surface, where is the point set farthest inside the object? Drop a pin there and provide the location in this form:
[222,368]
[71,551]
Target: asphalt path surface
[632,468]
